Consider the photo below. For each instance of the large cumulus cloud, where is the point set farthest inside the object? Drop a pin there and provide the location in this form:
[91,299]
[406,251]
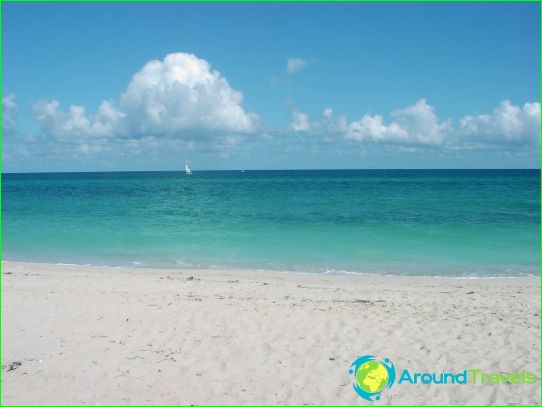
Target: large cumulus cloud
[180,96]
[182,93]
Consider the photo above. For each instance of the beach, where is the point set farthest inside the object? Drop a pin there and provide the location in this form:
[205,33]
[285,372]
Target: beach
[104,335]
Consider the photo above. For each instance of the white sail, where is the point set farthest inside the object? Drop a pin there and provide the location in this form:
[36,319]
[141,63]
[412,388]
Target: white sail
[187,169]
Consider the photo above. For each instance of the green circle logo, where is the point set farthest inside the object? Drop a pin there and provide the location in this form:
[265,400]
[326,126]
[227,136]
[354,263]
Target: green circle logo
[372,376]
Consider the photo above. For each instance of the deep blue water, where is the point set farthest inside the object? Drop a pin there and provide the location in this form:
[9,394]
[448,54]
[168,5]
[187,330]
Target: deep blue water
[423,222]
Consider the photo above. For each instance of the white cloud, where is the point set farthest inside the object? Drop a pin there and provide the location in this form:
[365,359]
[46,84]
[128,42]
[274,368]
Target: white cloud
[75,124]
[182,93]
[506,124]
[295,64]
[8,112]
[182,99]
[421,123]
[180,96]
[372,128]
[300,122]
[92,148]
[339,125]
[416,124]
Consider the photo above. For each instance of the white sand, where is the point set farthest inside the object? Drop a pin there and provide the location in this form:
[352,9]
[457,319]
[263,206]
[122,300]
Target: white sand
[96,335]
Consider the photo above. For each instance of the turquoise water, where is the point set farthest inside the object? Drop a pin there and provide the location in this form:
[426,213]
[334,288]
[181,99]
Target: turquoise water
[419,222]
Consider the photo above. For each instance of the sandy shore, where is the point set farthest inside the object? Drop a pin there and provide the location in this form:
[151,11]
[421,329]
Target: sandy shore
[97,335]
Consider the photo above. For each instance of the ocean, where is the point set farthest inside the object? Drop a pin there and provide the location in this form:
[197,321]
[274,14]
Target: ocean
[461,223]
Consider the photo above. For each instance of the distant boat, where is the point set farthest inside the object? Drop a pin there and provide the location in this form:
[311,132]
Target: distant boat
[187,169]
[242,170]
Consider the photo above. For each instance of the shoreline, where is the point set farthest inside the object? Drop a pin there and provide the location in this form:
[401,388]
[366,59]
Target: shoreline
[260,270]
[103,335]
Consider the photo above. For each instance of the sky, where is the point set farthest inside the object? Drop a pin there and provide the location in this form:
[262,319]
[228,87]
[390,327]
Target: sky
[140,86]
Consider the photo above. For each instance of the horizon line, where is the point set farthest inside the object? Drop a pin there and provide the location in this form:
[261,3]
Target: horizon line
[282,169]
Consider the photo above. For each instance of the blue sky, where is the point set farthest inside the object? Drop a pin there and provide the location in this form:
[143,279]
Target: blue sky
[269,86]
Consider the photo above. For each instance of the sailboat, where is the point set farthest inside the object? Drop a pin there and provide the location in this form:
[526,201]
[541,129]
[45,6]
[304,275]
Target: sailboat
[187,169]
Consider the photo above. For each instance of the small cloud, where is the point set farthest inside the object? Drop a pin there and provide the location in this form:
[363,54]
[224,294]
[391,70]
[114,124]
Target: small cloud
[295,64]
[75,123]
[416,124]
[300,122]
[8,112]
[87,148]
[506,124]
